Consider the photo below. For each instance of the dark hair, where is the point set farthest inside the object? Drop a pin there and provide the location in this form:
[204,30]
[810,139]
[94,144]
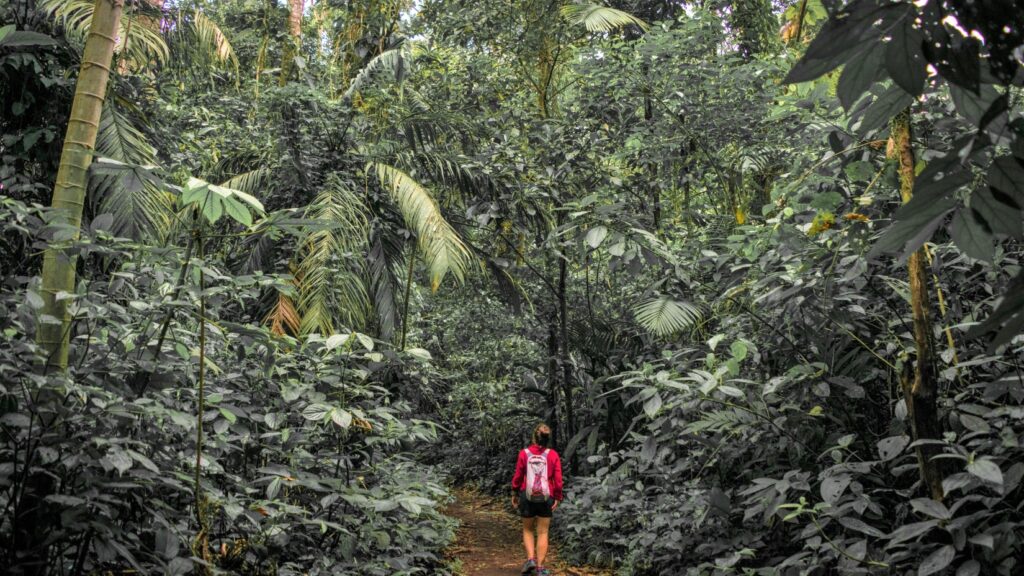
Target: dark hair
[541,435]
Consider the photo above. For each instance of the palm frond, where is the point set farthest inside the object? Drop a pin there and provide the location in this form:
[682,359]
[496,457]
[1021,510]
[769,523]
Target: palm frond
[139,42]
[396,63]
[141,206]
[384,255]
[663,315]
[597,18]
[251,182]
[283,317]
[440,245]
[256,249]
[330,269]
[448,170]
[212,40]
[119,139]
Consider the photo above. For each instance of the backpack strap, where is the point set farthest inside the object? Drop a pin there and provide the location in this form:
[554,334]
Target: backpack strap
[545,453]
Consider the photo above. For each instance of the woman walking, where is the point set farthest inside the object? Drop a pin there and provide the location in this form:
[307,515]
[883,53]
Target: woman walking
[536,493]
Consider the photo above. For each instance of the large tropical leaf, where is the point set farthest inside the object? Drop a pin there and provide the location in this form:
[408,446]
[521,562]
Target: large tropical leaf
[597,18]
[11,38]
[663,315]
[440,245]
[330,266]
[139,40]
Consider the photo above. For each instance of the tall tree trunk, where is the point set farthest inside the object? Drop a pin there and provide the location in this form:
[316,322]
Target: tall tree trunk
[919,389]
[70,189]
[552,344]
[567,376]
[654,191]
[291,48]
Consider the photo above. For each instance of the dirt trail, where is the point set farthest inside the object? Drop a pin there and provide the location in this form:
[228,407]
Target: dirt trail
[489,541]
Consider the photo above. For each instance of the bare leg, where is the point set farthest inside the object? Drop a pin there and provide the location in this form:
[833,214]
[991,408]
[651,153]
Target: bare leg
[528,528]
[542,539]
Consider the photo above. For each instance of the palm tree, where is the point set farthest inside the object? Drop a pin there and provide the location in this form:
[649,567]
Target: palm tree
[58,278]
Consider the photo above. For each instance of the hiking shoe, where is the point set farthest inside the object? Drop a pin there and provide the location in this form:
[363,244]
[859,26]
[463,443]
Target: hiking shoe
[544,572]
[530,567]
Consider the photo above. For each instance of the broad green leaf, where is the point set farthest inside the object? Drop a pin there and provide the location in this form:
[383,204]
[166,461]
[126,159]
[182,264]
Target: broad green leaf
[335,340]
[212,207]
[973,106]
[596,235]
[937,561]
[884,108]
[237,211]
[858,75]
[971,236]
[652,405]
[739,350]
[365,340]
[987,470]
[419,353]
[999,212]
[649,449]
[904,58]
[891,447]
[11,38]
[316,412]
[832,488]
[860,526]
[342,418]
[1007,175]
[846,35]
[931,508]
[228,415]
[916,226]
[911,531]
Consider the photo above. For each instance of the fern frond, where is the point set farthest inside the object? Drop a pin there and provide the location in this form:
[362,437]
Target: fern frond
[597,18]
[664,316]
[440,245]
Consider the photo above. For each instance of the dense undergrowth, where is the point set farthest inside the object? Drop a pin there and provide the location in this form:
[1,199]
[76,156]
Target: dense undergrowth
[304,468]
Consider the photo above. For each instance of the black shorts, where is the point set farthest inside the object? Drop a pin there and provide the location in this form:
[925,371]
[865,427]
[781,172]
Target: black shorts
[529,509]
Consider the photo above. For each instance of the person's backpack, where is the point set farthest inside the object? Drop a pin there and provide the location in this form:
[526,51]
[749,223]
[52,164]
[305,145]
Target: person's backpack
[537,487]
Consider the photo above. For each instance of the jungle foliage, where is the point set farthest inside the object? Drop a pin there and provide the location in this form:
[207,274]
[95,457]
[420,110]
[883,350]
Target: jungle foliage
[308,264]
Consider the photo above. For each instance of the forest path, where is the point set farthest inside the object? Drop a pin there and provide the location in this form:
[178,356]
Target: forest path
[489,540]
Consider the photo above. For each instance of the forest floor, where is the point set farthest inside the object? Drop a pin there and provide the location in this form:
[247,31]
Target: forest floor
[489,540]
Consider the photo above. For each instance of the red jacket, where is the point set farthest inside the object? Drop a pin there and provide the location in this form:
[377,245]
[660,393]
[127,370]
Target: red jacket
[554,471]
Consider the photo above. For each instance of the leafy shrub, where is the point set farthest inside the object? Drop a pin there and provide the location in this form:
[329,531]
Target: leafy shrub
[302,467]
